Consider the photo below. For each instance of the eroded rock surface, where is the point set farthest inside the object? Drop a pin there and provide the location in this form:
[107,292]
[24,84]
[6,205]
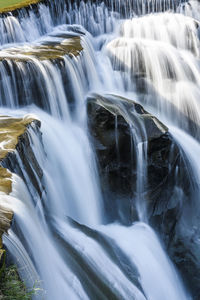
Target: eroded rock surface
[15,145]
[68,44]
[17,155]
[117,126]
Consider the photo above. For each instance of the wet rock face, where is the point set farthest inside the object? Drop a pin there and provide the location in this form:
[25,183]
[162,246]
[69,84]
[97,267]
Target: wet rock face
[184,251]
[115,174]
[167,192]
[12,131]
[65,44]
[20,158]
[17,156]
[118,126]
[6,216]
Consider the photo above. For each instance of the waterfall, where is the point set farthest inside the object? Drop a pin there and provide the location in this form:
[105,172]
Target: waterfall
[138,239]
[97,17]
[33,232]
[134,61]
[167,76]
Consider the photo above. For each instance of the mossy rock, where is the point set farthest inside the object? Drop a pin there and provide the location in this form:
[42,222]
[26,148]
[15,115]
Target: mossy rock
[13,137]
[10,5]
[11,131]
[5,181]
[49,50]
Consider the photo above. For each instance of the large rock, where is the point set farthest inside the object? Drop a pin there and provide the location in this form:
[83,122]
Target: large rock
[65,44]
[15,148]
[117,126]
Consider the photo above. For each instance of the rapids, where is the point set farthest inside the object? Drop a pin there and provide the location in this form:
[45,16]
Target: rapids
[146,50]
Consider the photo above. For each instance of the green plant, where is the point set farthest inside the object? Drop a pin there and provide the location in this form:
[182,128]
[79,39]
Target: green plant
[9,5]
[11,286]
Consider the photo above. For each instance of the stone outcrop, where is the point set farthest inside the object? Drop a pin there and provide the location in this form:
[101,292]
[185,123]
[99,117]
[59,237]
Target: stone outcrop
[117,126]
[15,145]
[16,5]
[18,151]
[67,44]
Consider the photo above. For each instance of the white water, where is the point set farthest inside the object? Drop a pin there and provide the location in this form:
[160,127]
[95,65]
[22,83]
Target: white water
[169,55]
[165,60]
[40,246]
[97,17]
[77,187]
[141,244]
[175,29]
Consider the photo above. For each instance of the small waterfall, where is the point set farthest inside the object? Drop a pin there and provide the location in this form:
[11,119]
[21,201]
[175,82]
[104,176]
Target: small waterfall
[167,78]
[175,29]
[79,184]
[50,86]
[35,234]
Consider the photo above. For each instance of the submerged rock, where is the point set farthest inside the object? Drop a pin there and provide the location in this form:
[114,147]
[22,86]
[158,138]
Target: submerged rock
[6,216]
[95,283]
[17,5]
[11,131]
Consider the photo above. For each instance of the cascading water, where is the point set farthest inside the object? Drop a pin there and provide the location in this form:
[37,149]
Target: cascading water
[60,239]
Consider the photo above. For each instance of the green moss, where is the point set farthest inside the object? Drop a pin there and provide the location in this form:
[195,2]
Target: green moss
[9,5]
[11,287]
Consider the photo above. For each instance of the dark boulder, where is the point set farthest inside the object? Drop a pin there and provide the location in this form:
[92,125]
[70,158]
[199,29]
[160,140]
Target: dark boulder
[117,126]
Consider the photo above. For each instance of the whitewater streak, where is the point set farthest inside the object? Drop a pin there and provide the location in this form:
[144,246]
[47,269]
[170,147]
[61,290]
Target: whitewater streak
[74,261]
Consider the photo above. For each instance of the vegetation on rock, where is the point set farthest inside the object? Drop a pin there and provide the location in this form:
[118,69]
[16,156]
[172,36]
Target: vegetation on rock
[9,5]
[11,287]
